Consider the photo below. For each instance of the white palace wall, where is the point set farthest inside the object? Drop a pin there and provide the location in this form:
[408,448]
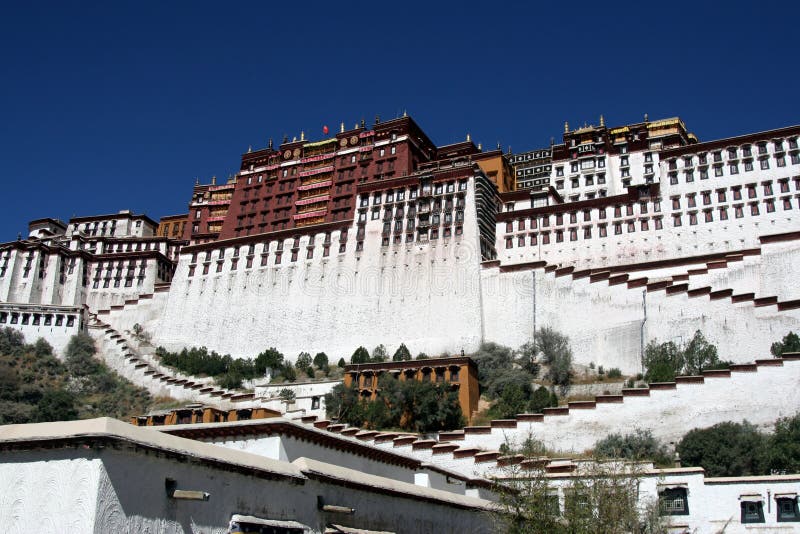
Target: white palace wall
[606,323]
[424,294]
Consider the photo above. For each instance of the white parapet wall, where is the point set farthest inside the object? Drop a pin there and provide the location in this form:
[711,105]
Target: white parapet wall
[759,393]
[609,324]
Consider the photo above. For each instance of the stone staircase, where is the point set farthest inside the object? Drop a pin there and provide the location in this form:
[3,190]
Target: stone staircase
[145,371]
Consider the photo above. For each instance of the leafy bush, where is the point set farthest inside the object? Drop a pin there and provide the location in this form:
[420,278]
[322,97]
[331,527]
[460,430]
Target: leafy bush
[614,372]
[790,343]
[541,399]
[725,450]
[36,387]
[640,445]
[11,341]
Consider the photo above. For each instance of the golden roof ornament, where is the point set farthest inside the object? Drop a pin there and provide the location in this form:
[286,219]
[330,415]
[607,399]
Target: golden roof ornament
[566,127]
[302,135]
[249,148]
[469,139]
[602,122]
[341,127]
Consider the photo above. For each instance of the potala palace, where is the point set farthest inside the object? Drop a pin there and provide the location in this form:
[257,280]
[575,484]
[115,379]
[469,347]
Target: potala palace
[615,236]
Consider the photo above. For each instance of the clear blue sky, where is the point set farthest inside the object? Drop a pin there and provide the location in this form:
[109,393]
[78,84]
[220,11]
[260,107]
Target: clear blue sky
[120,105]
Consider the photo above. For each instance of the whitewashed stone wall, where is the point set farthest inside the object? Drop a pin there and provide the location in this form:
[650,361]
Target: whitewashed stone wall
[105,490]
[426,295]
[606,324]
[760,397]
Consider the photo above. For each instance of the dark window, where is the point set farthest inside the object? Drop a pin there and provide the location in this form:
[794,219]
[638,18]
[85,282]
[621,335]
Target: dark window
[752,512]
[673,501]
[787,509]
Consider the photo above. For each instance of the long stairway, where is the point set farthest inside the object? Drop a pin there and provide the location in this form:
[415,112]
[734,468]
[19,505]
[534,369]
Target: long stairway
[145,371]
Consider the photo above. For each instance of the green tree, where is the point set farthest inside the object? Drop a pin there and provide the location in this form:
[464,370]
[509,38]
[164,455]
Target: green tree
[528,359]
[303,361]
[725,450]
[289,372]
[513,400]
[56,405]
[269,359]
[379,354]
[540,399]
[422,356]
[662,361]
[699,355]
[79,355]
[551,344]
[639,445]
[361,355]
[560,371]
[784,446]
[401,354]
[341,363]
[321,361]
[287,395]
[790,343]
[11,341]
[42,348]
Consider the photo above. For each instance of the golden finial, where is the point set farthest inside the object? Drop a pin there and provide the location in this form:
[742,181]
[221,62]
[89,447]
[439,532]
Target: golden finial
[214,180]
[480,146]
[302,135]
[602,122]
[566,127]
[249,148]
[468,138]
[341,127]
[405,113]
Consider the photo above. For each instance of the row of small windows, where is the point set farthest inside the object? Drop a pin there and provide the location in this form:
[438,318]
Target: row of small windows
[706,215]
[37,319]
[732,153]
[602,213]
[674,501]
[400,195]
[733,168]
[736,193]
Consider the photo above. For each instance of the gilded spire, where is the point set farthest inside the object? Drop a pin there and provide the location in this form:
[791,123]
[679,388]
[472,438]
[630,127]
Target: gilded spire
[468,138]
[341,127]
[566,127]
[602,122]
[302,135]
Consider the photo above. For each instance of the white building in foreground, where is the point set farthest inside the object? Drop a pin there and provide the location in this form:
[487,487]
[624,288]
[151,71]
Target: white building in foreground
[103,475]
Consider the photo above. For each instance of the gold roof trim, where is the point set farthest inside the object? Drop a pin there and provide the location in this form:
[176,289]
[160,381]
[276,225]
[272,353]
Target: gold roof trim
[623,129]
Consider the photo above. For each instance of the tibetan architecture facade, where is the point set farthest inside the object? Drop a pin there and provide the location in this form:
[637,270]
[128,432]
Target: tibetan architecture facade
[376,235]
